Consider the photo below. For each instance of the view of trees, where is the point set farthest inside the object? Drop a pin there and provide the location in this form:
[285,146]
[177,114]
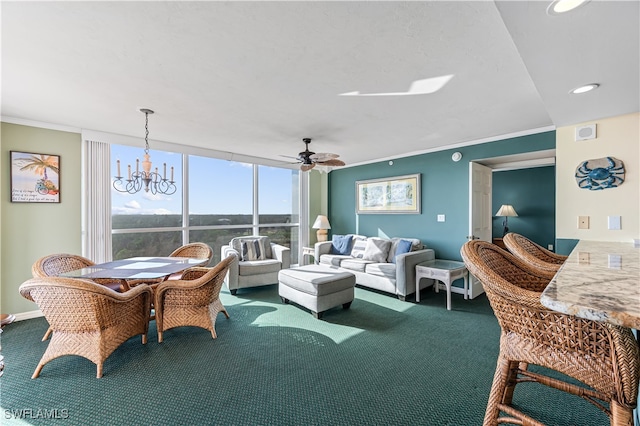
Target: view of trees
[223,229]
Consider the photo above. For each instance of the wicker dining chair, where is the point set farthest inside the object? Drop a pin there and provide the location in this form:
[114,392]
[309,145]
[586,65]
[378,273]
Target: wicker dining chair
[193,300]
[59,263]
[533,253]
[197,250]
[604,357]
[88,319]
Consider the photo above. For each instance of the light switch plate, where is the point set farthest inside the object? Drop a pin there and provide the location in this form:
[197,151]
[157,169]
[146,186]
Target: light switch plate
[615,261]
[440,218]
[583,222]
[614,222]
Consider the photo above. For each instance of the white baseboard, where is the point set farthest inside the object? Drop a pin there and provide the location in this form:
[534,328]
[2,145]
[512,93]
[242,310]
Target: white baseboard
[28,315]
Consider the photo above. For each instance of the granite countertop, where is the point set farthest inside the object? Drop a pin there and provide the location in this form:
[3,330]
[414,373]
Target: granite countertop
[599,281]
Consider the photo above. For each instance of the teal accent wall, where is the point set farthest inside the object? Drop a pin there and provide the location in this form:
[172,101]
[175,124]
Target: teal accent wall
[565,245]
[532,193]
[445,190]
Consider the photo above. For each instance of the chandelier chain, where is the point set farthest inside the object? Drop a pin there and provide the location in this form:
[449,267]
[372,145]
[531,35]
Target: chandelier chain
[146,129]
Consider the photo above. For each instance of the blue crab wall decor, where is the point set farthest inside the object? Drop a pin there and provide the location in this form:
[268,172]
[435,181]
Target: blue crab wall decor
[600,173]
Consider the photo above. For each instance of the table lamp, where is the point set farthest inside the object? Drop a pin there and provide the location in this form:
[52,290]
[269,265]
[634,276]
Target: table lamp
[321,224]
[506,210]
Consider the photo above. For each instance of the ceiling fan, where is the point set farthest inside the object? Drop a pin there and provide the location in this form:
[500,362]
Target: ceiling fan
[309,159]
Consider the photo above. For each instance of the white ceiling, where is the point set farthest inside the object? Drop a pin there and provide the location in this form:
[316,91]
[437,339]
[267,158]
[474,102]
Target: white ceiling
[254,78]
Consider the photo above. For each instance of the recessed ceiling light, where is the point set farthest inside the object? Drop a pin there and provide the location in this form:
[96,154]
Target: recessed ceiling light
[584,89]
[558,7]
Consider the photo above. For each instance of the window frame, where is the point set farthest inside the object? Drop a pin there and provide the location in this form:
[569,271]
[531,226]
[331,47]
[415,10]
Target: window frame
[256,226]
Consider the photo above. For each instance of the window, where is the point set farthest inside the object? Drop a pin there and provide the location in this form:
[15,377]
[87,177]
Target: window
[225,199]
[279,206]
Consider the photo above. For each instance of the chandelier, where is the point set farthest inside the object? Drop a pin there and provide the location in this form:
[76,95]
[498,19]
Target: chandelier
[150,181]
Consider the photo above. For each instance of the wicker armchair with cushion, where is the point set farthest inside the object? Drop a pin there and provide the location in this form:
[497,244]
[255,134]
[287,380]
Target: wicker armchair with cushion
[88,319]
[257,262]
[532,253]
[602,356]
[59,263]
[192,300]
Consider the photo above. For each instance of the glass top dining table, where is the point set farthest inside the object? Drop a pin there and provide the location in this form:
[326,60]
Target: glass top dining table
[137,268]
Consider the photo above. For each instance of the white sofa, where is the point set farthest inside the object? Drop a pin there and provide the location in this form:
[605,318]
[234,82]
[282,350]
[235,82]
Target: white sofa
[396,276]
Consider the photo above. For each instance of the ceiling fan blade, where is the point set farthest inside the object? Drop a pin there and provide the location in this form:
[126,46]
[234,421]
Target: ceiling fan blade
[323,156]
[332,162]
[288,156]
[307,167]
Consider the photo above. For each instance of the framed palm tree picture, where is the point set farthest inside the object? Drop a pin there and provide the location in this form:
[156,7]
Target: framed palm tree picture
[35,178]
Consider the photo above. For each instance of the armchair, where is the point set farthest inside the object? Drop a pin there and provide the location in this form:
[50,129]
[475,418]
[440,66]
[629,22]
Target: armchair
[256,262]
[59,263]
[88,319]
[193,300]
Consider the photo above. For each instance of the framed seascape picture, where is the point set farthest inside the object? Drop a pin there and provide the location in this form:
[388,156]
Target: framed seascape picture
[35,178]
[399,194]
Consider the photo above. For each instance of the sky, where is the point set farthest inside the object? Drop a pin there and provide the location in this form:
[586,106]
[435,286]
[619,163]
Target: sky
[217,186]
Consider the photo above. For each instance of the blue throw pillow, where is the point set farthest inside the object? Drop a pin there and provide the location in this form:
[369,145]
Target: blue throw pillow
[341,244]
[404,246]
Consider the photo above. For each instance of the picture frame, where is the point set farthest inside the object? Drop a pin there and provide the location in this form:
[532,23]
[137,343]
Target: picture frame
[393,195]
[35,178]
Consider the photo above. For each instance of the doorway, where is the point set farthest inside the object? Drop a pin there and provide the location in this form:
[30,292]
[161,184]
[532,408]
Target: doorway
[481,193]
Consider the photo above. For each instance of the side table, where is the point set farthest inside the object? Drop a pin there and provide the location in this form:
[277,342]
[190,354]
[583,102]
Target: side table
[446,271]
[307,251]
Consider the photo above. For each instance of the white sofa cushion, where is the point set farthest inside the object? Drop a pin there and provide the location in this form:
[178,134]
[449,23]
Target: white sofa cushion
[377,249]
[359,246]
[355,264]
[333,259]
[259,267]
[415,245]
[387,270]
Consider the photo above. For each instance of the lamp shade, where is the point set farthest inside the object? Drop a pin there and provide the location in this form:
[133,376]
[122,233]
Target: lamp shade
[321,223]
[507,210]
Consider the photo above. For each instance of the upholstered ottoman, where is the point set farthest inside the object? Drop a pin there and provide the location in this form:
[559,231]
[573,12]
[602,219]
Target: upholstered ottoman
[316,287]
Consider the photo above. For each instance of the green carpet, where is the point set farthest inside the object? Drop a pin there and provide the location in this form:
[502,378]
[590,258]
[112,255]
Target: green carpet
[382,362]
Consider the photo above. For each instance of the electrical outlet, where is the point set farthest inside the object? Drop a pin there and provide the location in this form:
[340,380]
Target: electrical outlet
[584,258]
[583,222]
[440,218]
[550,247]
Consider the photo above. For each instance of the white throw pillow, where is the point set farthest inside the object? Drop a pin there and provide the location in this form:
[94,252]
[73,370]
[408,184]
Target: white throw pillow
[377,250]
[359,246]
